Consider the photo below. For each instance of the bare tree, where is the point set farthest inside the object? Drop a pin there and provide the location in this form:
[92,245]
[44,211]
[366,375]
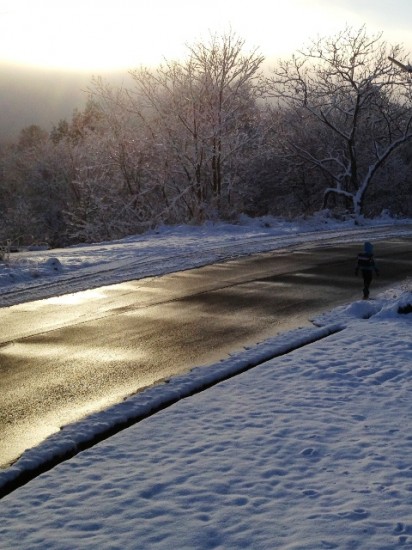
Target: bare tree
[355,103]
[199,112]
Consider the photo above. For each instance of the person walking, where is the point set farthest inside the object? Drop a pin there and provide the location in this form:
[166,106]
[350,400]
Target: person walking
[366,264]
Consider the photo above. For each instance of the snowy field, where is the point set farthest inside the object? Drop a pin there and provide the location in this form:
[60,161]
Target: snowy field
[310,449]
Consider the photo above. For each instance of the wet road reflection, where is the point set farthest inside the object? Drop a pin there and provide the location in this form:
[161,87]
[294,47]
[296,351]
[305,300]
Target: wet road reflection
[65,357]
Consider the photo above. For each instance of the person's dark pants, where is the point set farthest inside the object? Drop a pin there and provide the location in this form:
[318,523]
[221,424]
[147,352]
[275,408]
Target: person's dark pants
[367,279]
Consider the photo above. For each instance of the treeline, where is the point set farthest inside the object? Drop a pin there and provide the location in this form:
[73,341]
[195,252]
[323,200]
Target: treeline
[214,136]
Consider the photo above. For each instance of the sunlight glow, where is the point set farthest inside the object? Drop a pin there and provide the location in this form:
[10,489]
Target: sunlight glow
[107,35]
[76,298]
[82,35]
[102,35]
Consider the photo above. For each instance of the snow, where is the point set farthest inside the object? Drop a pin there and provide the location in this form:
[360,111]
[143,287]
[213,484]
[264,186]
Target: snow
[300,442]
[37,274]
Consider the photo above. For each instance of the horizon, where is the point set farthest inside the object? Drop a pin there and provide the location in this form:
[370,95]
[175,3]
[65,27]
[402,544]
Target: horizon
[40,84]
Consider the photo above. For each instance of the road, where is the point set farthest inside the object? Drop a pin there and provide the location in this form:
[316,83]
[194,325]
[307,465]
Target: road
[63,358]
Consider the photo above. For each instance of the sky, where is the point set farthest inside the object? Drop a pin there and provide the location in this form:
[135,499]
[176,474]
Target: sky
[51,49]
[309,449]
[102,35]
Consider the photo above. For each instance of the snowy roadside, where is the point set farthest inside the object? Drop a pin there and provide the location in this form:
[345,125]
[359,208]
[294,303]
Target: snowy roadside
[35,275]
[305,451]
[169,249]
[98,426]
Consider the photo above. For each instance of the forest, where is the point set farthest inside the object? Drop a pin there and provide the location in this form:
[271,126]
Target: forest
[216,135]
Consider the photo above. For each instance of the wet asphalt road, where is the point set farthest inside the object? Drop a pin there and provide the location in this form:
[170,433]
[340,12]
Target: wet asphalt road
[65,357]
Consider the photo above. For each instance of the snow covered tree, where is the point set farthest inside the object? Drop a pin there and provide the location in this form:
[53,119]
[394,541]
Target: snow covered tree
[32,190]
[350,110]
[200,114]
[32,137]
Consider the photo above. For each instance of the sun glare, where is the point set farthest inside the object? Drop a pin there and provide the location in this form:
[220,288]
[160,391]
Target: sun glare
[103,35]
[83,35]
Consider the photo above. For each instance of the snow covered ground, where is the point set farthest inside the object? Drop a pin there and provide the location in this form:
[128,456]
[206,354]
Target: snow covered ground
[310,449]
[41,274]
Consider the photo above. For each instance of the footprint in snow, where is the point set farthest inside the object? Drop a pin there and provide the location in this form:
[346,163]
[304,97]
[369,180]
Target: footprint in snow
[310,493]
[309,452]
[355,515]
